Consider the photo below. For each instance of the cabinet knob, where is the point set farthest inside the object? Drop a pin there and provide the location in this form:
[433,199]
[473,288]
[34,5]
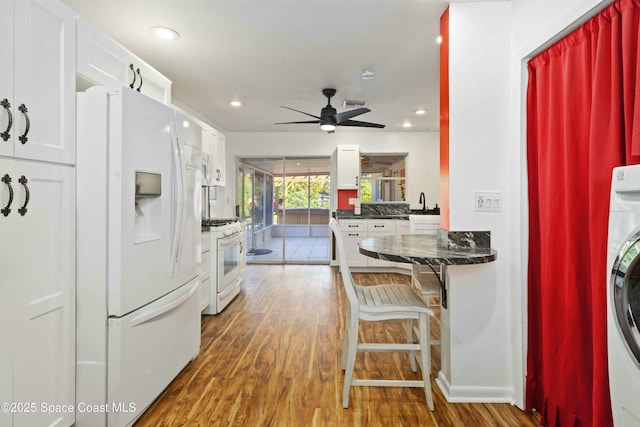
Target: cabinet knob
[139,75]
[7,106]
[23,209]
[7,209]
[133,71]
[23,138]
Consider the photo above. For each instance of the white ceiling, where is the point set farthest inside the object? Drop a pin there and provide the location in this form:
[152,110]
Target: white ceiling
[270,53]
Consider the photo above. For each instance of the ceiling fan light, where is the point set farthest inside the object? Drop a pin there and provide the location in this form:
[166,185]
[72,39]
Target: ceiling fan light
[328,127]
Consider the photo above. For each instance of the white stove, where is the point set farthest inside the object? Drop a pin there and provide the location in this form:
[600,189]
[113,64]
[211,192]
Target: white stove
[228,259]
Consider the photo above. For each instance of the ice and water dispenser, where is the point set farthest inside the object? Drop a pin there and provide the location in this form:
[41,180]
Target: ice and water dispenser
[148,207]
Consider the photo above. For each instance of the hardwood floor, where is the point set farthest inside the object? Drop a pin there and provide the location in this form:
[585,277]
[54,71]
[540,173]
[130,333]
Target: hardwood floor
[272,358]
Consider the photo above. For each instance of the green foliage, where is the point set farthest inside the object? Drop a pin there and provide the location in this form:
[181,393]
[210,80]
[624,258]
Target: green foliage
[302,194]
[365,190]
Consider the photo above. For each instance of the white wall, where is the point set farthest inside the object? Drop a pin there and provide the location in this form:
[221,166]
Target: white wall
[479,114]
[422,165]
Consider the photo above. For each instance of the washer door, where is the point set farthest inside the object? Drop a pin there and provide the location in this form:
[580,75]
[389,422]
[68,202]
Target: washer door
[625,297]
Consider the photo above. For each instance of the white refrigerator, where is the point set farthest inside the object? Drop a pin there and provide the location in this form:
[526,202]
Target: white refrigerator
[138,245]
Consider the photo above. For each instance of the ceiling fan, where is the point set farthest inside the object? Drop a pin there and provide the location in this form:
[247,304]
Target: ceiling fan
[330,118]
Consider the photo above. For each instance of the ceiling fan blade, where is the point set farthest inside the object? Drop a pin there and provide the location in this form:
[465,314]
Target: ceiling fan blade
[293,109]
[346,115]
[294,123]
[360,124]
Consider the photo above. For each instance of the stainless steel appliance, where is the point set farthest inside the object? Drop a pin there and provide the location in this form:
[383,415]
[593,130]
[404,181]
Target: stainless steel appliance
[228,258]
[206,206]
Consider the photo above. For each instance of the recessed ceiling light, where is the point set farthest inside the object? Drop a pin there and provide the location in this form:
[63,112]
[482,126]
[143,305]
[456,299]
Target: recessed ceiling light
[165,33]
[421,112]
[407,124]
[236,104]
[439,39]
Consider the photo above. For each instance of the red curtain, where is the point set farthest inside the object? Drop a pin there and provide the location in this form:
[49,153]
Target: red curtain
[582,120]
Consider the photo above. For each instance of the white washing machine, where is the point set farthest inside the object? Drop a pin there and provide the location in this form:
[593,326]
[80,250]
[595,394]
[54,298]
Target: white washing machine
[623,296]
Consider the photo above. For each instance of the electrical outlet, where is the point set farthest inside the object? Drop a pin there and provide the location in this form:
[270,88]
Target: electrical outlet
[487,201]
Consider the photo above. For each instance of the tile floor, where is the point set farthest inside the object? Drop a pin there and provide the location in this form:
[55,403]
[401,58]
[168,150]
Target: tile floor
[304,250]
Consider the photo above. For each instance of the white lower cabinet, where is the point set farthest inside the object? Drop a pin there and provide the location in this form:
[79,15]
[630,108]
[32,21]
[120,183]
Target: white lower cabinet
[205,272]
[356,230]
[37,291]
[380,228]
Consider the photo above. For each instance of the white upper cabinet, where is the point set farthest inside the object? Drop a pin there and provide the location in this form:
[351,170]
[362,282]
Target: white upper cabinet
[37,80]
[214,147]
[219,159]
[103,61]
[348,165]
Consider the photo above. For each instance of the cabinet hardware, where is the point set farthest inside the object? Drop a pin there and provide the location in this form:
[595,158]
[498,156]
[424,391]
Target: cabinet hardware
[241,247]
[353,234]
[378,226]
[23,109]
[23,181]
[133,71]
[357,180]
[352,226]
[5,103]
[7,180]
[139,75]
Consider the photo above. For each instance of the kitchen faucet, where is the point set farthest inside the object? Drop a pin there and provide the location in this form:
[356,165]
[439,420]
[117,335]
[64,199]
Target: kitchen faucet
[423,201]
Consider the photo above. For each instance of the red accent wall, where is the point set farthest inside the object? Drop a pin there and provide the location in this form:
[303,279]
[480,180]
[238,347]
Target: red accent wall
[343,198]
[444,121]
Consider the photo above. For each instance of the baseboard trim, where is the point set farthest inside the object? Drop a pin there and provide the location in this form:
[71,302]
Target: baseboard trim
[461,394]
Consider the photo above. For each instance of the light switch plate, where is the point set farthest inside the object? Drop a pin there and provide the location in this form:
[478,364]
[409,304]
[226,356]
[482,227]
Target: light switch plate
[487,201]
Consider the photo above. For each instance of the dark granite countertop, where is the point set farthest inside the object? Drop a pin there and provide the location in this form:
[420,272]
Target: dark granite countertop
[384,211]
[350,215]
[422,249]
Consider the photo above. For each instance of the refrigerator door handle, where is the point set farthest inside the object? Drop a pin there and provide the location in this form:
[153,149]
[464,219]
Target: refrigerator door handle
[177,224]
[181,201]
[146,316]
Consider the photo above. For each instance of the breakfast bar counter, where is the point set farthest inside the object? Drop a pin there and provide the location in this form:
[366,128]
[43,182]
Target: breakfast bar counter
[458,375]
[423,249]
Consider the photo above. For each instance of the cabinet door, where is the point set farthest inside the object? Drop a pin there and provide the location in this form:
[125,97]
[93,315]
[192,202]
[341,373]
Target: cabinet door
[348,158]
[41,268]
[380,228]
[7,294]
[103,61]
[44,81]
[351,240]
[6,81]
[219,159]
[402,227]
[207,157]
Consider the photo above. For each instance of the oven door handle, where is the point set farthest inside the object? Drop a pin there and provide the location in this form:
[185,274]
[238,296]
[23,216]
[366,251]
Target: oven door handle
[229,240]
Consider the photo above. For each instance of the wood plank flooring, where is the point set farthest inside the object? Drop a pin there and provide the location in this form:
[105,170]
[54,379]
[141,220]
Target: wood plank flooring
[272,358]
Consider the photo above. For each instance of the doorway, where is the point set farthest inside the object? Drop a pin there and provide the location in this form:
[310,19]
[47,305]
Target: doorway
[285,204]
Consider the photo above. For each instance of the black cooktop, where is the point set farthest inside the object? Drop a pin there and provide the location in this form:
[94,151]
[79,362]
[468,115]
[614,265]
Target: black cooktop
[218,222]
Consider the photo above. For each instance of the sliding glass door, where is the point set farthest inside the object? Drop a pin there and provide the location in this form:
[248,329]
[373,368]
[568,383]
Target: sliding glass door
[285,203]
